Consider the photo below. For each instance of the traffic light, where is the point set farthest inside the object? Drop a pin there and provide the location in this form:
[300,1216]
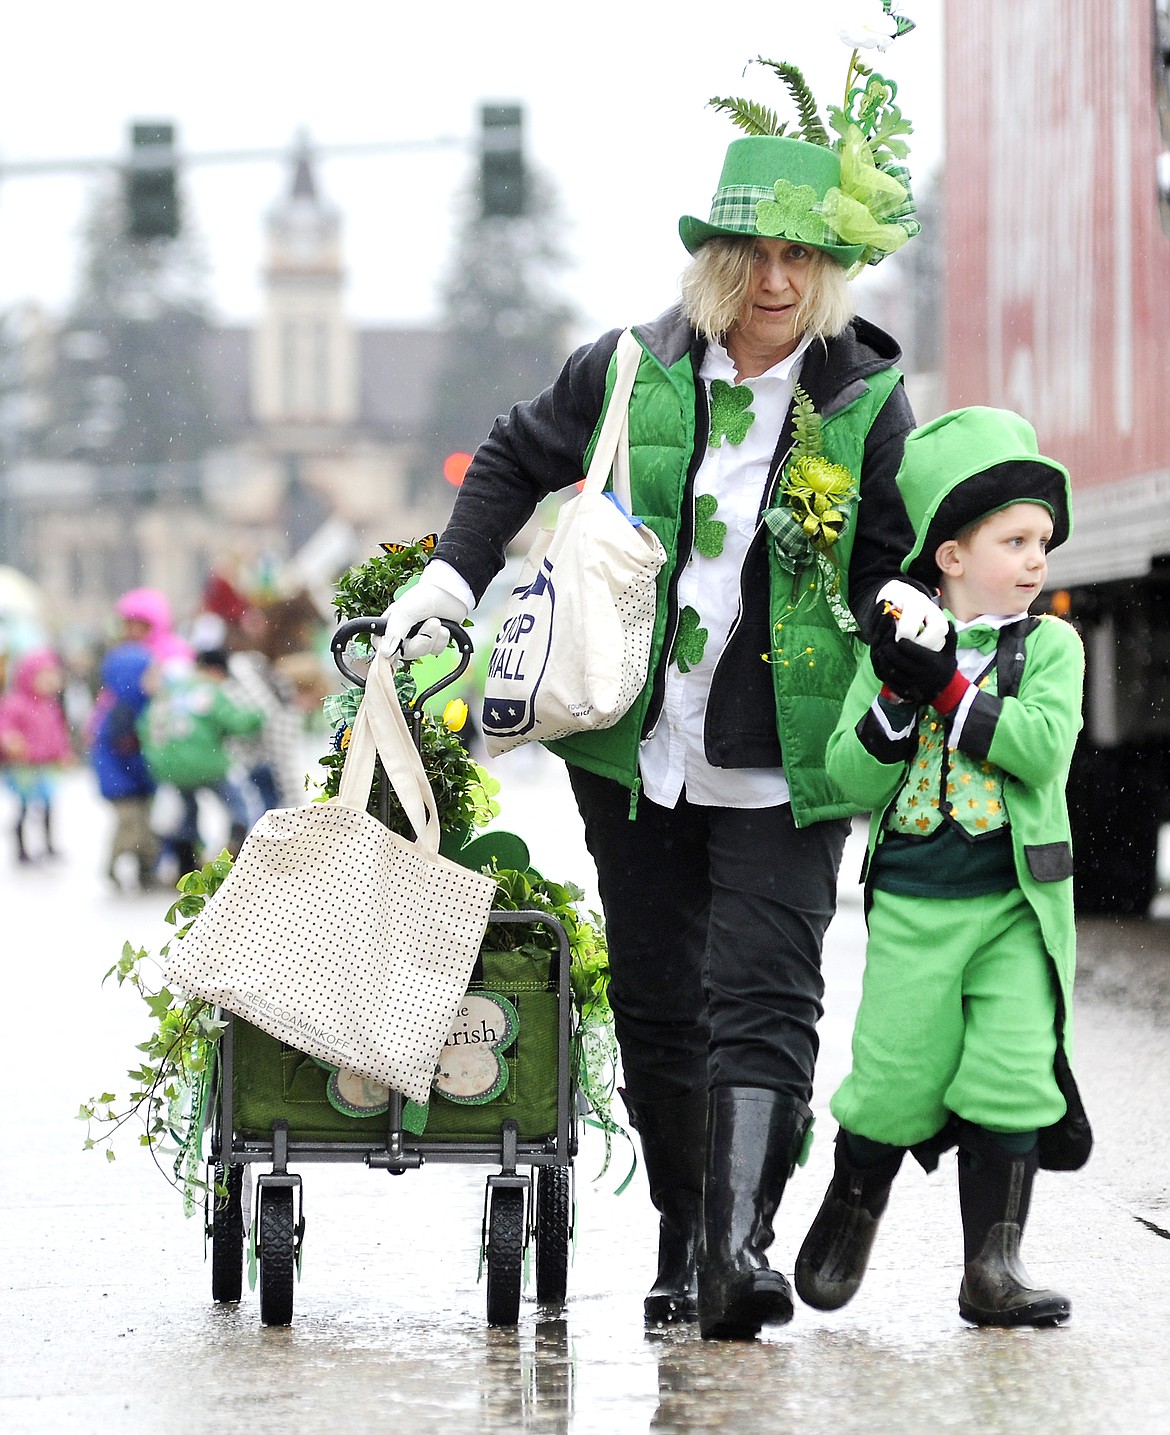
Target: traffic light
[502,179]
[152,192]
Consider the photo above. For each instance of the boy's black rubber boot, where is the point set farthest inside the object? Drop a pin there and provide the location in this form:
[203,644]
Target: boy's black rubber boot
[754,1136]
[673,1136]
[835,1253]
[994,1193]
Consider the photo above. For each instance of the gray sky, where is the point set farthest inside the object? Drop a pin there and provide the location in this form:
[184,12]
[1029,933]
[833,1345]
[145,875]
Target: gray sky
[614,94]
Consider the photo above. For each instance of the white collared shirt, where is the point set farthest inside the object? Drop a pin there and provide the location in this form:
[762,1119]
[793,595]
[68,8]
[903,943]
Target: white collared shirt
[735,475]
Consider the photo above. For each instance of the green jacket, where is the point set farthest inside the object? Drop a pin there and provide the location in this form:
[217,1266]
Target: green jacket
[771,702]
[1030,737]
[183,728]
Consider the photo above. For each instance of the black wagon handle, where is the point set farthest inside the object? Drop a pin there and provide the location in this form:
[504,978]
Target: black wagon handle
[376,627]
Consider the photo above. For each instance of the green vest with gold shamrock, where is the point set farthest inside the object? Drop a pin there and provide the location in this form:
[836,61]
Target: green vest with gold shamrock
[944,784]
[814,642]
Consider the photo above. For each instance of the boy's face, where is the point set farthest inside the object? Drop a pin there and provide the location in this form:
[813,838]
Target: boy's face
[1000,567]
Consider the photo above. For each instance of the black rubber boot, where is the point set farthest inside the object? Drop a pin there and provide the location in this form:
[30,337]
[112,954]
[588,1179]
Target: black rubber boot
[754,1136]
[835,1253]
[673,1135]
[994,1192]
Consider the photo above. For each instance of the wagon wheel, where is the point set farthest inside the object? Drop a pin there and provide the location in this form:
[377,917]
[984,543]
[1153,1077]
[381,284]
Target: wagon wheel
[505,1253]
[226,1229]
[552,1234]
[276,1247]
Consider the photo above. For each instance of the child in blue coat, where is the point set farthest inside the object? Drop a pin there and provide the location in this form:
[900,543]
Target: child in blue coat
[123,778]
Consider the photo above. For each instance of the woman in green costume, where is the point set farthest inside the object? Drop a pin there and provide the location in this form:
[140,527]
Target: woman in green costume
[766,427]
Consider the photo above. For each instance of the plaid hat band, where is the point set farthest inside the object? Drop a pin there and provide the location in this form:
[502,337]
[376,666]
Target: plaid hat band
[735,207]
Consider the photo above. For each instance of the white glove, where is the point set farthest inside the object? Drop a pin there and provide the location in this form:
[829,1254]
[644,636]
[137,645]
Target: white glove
[919,618]
[426,603]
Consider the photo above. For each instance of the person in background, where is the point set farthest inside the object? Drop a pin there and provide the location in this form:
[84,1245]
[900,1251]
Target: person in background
[766,427]
[34,745]
[183,733]
[146,614]
[962,755]
[255,635]
[123,777]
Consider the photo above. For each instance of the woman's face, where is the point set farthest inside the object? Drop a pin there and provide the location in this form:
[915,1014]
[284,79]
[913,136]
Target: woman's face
[768,328]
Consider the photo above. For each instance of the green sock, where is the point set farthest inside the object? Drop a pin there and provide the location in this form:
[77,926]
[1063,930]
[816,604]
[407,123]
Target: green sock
[1015,1143]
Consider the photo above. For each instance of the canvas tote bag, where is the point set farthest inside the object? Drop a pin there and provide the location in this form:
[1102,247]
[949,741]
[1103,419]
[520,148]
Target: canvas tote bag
[573,647]
[337,936]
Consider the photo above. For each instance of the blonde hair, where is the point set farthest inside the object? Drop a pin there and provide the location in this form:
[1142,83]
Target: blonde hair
[715,288]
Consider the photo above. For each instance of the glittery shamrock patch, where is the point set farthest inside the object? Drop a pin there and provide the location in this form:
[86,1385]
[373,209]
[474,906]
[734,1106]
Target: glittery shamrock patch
[729,412]
[690,641]
[791,213]
[709,532]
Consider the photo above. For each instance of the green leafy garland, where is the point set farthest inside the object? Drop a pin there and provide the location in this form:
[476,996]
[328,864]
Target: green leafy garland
[169,1084]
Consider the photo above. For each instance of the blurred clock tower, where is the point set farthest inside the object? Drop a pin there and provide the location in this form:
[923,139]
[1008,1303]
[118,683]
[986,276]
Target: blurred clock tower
[304,360]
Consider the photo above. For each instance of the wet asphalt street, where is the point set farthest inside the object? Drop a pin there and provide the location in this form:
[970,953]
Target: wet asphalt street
[107,1326]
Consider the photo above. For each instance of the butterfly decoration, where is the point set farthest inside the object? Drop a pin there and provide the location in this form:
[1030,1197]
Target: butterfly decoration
[427,545]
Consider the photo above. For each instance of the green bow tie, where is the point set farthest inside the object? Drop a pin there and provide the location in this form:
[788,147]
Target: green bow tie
[982,636]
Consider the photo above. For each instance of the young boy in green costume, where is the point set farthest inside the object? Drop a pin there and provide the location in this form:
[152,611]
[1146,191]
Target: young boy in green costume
[962,755]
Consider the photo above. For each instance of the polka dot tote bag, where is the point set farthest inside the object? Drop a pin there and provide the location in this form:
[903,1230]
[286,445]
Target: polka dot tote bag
[337,936]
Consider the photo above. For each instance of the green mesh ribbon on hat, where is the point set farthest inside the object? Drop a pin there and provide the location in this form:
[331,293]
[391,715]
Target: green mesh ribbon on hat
[871,206]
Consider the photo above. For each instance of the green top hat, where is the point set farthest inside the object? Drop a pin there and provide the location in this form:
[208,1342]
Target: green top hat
[769,187]
[967,464]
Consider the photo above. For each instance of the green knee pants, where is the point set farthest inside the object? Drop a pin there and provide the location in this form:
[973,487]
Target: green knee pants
[957,1016]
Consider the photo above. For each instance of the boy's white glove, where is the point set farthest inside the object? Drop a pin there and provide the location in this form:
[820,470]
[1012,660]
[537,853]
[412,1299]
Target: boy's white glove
[916,616]
[426,604]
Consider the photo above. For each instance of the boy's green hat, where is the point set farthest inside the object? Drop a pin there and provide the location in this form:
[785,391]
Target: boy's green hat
[769,187]
[967,464]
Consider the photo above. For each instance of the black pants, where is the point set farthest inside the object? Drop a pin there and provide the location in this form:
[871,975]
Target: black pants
[714,918]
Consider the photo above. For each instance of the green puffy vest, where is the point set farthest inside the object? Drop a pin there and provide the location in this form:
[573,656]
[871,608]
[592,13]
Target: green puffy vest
[813,660]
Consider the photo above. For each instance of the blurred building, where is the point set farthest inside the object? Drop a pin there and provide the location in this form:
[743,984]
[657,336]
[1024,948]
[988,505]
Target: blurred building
[317,424]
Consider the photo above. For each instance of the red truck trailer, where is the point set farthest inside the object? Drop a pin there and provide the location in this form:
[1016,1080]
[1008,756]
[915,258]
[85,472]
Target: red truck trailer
[1057,304]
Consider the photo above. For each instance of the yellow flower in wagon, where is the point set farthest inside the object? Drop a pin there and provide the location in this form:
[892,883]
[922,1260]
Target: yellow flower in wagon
[455,715]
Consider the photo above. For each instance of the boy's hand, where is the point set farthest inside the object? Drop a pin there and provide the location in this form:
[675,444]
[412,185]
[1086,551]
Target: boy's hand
[914,673]
[912,614]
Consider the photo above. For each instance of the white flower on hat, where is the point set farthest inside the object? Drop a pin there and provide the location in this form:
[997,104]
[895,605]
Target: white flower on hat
[867,25]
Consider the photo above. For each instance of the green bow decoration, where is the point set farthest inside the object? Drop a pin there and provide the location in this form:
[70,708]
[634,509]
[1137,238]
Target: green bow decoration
[982,636]
[793,548]
[341,708]
[867,197]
